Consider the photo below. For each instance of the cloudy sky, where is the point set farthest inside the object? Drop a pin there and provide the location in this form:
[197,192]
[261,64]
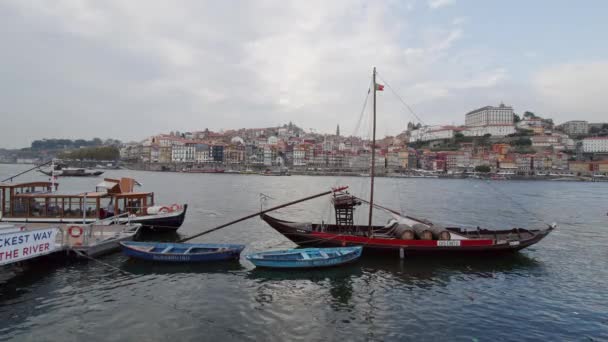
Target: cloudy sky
[130,69]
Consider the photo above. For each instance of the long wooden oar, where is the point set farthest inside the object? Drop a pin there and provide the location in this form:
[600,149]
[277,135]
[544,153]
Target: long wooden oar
[263,212]
[26,171]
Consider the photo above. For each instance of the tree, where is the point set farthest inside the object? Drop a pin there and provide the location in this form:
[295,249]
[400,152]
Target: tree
[522,141]
[530,115]
[482,168]
[516,118]
[94,153]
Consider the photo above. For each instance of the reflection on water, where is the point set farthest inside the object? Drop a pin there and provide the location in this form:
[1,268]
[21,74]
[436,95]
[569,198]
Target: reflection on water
[139,267]
[555,290]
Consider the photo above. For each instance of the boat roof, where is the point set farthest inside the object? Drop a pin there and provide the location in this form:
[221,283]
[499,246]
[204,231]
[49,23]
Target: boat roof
[24,185]
[61,195]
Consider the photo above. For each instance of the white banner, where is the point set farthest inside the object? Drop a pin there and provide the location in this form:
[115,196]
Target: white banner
[26,244]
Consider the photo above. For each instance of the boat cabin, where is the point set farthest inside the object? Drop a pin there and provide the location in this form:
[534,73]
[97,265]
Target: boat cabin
[42,200]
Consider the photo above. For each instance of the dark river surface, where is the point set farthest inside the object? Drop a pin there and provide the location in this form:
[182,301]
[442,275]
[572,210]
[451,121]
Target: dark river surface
[555,290]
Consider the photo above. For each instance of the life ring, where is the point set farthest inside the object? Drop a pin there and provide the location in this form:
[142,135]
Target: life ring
[164,210]
[175,207]
[75,231]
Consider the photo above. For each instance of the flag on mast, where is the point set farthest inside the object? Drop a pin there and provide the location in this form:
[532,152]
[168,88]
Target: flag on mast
[379,87]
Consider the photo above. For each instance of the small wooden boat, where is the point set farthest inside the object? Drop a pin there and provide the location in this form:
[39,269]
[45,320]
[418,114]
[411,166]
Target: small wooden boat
[306,257]
[181,252]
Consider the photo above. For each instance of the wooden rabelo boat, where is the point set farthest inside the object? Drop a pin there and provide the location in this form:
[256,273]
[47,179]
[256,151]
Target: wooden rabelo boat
[59,170]
[404,234]
[386,239]
[113,202]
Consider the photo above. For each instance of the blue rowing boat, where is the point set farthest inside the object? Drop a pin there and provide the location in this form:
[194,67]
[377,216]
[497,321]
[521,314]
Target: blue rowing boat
[305,257]
[181,252]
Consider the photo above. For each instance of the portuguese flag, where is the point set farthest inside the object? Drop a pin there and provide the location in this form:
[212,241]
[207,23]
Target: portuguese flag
[379,87]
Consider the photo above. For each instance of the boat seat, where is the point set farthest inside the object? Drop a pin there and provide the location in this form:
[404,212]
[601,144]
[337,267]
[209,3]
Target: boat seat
[167,249]
[324,255]
[305,256]
[188,250]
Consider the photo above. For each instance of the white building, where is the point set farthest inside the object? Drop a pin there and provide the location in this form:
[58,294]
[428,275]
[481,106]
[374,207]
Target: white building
[429,133]
[595,145]
[299,156]
[545,140]
[490,116]
[575,127]
[183,153]
[237,140]
[203,157]
[270,155]
[273,140]
[494,130]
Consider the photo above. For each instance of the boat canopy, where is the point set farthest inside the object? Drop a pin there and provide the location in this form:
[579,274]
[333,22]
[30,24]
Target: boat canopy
[117,186]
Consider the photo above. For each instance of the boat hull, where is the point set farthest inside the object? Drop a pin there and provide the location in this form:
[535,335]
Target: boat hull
[299,234]
[222,252]
[349,255]
[161,223]
[73,174]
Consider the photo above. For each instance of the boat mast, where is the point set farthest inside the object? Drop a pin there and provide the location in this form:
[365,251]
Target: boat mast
[372,173]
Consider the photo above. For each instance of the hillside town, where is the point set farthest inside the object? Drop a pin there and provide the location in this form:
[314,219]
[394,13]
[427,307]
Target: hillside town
[493,139]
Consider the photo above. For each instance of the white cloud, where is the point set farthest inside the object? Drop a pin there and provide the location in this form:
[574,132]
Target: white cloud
[212,64]
[574,90]
[435,4]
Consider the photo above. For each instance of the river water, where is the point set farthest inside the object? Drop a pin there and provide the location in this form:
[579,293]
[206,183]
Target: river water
[555,290]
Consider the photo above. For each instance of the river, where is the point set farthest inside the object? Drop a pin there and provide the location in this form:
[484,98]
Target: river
[555,290]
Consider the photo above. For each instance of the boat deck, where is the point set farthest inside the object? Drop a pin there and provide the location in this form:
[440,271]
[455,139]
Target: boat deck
[95,239]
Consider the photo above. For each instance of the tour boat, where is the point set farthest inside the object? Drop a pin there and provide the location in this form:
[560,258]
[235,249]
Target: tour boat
[195,170]
[181,252]
[60,171]
[112,202]
[305,257]
[404,234]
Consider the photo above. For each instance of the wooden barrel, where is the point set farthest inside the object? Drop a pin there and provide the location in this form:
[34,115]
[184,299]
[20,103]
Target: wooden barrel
[422,231]
[404,232]
[440,233]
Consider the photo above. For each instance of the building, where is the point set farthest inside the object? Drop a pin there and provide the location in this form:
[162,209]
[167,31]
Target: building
[589,167]
[430,133]
[595,145]
[545,141]
[490,116]
[182,153]
[493,130]
[217,153]
[536,125]
[575,127]
[299,156]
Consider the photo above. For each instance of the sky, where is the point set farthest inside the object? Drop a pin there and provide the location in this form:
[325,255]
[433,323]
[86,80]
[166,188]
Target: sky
[131,69]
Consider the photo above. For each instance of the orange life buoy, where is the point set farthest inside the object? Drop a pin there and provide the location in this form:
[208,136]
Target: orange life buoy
[164,210]
[75,231]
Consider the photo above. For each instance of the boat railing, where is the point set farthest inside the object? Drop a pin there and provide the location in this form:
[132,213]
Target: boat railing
[114,219]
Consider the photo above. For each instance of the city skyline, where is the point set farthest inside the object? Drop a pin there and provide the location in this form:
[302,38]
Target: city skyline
[73,69]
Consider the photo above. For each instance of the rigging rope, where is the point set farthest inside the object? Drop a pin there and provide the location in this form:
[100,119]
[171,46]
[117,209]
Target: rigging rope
[400,98]
[363,109]
[500,192]
[487,183]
